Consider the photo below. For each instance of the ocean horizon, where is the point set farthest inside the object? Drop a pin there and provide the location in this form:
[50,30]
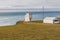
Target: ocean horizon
[13,17]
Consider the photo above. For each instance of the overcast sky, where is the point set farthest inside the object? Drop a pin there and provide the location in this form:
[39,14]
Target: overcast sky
[29,3]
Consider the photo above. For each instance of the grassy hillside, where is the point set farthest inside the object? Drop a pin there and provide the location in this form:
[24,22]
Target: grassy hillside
[30,31]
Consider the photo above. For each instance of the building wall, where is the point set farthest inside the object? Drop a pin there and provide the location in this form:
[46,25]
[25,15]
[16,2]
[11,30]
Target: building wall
[27,17]
[48,21]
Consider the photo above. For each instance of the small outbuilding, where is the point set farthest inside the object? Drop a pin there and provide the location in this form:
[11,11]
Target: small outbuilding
[52,20]
[28,17]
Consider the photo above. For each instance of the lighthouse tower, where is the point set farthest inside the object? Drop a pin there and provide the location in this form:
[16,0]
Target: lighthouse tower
[28,17]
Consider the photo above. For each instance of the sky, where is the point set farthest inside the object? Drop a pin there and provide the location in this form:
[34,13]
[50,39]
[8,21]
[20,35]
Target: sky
[4,4]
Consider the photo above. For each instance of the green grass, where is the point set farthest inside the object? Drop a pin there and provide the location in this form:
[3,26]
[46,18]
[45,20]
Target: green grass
[28,31]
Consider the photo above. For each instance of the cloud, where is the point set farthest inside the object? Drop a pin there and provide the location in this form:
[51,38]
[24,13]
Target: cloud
[52,3]
[29,3]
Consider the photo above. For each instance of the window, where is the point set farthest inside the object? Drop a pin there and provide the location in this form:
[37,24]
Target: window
[55,20]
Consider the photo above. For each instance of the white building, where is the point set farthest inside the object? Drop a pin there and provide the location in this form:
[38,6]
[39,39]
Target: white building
[28,17]
[52,20]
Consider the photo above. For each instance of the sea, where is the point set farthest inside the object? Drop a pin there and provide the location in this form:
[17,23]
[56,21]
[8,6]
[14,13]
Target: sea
[7,18]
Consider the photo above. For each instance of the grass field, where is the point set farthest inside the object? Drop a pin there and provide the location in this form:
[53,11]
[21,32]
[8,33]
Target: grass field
[30,31]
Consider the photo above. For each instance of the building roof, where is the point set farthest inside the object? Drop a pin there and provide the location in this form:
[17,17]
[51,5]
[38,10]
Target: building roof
[50,18]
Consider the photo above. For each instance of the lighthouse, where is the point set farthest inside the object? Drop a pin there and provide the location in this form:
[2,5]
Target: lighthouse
[28,17]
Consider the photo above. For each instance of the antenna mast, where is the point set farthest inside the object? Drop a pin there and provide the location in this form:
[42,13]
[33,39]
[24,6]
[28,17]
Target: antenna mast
[43,12]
